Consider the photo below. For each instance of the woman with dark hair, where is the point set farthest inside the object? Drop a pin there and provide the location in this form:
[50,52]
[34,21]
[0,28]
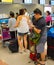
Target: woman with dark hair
[23,28]
[48,18]
[11,23]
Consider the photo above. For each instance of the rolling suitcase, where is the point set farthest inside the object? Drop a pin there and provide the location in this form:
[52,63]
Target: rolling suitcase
[50,43]
[13,46]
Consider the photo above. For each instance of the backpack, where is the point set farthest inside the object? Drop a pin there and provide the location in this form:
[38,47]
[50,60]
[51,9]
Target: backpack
[34,37]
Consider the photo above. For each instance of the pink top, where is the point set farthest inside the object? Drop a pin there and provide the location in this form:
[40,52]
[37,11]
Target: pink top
[48,18]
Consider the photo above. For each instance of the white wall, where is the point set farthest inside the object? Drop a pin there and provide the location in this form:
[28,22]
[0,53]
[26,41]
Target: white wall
[6,8]
[47,1]
[17,1]
[35,1]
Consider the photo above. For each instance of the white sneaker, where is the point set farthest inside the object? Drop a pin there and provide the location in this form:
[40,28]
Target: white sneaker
[21,51]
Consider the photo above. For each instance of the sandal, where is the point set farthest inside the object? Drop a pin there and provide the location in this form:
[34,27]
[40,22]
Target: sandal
[39,63]
[45,58]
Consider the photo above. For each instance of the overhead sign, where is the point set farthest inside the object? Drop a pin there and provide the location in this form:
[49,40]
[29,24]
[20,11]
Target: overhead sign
[10,1]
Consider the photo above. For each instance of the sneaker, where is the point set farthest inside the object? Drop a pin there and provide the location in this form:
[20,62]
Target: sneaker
[21,51]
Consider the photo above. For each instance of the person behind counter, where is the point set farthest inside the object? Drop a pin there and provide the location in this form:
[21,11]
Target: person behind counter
[48,18]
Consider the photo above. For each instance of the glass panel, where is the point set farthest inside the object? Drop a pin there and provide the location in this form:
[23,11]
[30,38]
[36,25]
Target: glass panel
[28,1]
[42,1]
[52,2]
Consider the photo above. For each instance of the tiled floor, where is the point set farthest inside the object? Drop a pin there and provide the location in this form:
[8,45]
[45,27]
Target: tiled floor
[17,58]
